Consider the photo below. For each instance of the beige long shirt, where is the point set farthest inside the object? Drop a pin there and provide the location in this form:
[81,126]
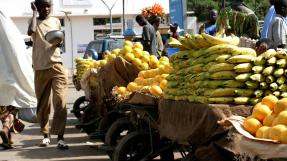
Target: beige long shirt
[44,54]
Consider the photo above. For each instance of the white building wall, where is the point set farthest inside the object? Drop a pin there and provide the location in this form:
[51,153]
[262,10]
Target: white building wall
[81,17]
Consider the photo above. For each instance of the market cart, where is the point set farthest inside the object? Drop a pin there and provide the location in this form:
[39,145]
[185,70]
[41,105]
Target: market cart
[136,136]
[197,125]
[99,114]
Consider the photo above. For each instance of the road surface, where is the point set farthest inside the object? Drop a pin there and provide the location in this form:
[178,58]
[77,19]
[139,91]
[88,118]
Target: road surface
[26,144]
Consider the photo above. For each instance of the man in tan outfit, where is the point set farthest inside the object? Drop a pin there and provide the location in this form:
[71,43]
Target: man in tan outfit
[49,73]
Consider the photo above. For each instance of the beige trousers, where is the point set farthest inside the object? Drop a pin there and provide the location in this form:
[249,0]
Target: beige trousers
[46,81]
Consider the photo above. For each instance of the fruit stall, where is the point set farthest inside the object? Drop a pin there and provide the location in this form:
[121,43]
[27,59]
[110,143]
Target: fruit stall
[210,79]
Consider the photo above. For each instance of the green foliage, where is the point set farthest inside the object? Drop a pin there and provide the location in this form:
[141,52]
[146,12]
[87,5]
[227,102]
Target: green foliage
[202,7]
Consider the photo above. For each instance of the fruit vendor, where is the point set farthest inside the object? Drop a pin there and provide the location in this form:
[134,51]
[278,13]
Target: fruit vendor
[148,35]
[174,29]
[210,26]
[159,44]
[241,20]
[263,45]
[278,29]
[50,75]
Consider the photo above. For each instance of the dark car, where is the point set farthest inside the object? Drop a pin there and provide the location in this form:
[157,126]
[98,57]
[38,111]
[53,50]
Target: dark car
[103,44]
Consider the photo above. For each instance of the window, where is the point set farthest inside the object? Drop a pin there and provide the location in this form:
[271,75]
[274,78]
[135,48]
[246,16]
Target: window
[105,32]
[105,21]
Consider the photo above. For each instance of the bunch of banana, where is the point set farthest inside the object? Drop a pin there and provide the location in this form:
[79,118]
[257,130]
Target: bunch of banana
[268,72]
[215,70]
[214,40]
[82,65]
[221,72]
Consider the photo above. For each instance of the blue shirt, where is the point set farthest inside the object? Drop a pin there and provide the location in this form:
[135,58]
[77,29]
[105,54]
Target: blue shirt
[267,21]
[210,29]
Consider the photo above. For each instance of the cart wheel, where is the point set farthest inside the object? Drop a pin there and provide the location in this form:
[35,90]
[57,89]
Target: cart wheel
[116,132]
[133,147]
[79,106]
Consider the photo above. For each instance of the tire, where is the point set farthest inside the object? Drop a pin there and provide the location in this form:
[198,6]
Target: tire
[167,155]
[133,147]
[138,145]
[79,106]
[113,135]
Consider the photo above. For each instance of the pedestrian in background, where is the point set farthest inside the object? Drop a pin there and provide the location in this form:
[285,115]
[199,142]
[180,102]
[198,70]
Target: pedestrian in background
[49,73]
[148,35]
[210,26]
[174,29]
[268,19]
[155,21]
[278,29]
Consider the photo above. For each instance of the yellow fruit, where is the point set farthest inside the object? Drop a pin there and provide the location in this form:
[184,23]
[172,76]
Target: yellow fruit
[129,57]
[260,132]
[103,62]
[145,58]
[153,59]
[121,90]
[163,63]
[275,121]
[142,74]
[251,125]
[137,52]
[163,84]
[276,131]
[164,76]
[138,45]
[164,58]
[127,49]
[128,43]
[268,120]
[284,137]
[266,133]
[145,53]
[144,66]
[137,62]
[96,64]
[153,62]
[270,101]
[280,105]
[116,51]
[155,90]
[166,68]
[282,118]
[260,111]
[111,57]
[132,87]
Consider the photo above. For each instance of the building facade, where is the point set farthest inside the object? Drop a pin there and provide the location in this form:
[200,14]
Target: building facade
[83,20]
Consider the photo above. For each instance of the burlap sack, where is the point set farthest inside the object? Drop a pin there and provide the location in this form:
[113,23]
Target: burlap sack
[118,72]
[197,125]
[142,99]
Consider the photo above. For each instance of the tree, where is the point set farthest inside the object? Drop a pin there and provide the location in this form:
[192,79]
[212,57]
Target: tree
[202,7]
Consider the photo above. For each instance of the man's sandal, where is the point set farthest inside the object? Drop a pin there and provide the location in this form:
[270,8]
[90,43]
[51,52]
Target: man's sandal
[45,142]
[6,146]
[61,145]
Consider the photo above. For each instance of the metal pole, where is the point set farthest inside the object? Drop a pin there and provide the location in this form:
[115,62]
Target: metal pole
[71,32]
[111,22]
[124,21]
[110,11]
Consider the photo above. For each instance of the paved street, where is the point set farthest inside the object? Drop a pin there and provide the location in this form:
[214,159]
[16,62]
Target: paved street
[26,143]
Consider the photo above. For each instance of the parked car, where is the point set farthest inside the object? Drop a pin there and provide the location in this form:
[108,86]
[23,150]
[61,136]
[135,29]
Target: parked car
[100,45]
